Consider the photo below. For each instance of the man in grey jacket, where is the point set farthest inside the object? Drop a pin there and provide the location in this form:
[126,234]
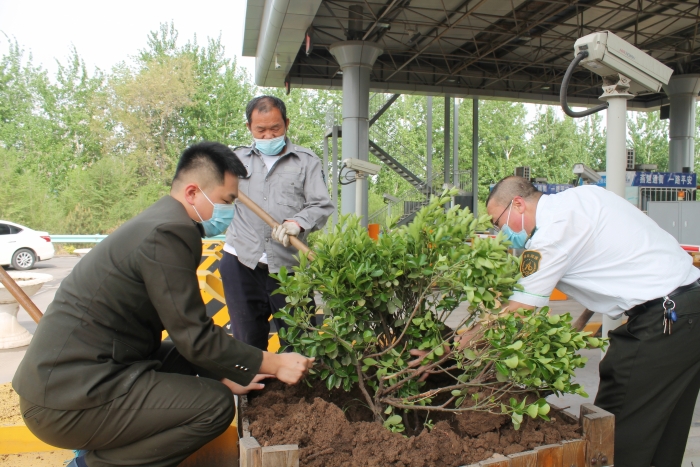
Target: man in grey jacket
[287,181]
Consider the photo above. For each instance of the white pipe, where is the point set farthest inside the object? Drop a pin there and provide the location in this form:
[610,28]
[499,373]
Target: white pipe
[616,157]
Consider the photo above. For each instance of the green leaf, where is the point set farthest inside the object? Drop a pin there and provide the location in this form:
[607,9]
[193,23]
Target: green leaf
[330,382]
[369,361]
[393,420]
[501,369]
[532,410]
[517,345]
[388,410]
[511,362]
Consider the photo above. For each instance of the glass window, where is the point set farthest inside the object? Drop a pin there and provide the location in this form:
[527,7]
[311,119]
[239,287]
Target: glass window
[4,229]
[14,230]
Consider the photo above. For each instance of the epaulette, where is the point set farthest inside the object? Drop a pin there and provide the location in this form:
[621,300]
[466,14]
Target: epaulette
[308,151]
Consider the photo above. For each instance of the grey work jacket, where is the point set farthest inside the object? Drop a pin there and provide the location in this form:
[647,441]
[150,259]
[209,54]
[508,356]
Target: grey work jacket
[293,189]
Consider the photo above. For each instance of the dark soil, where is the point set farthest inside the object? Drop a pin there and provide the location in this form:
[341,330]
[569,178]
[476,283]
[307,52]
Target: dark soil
[341,433]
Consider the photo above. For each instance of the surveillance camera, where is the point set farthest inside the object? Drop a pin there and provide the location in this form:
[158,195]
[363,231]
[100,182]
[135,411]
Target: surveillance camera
[608,55]
[390,199]
[277,63]
[586,173]
[362,166]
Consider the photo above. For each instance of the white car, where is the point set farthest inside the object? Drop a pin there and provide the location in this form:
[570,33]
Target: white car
[21,247]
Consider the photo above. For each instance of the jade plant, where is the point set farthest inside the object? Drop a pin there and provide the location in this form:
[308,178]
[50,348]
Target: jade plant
[384,298]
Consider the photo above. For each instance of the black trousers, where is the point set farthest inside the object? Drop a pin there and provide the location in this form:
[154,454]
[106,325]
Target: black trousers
[650,381]
[250,300]
[166,416]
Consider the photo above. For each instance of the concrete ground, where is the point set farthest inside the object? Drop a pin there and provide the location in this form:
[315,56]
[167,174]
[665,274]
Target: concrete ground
[60,267]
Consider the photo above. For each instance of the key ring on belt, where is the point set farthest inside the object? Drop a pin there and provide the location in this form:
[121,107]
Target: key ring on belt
[670,316]
[667,300]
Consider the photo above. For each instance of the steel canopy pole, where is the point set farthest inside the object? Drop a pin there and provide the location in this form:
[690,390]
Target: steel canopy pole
[429,146]
[455,145]
[475,155]
[446,162]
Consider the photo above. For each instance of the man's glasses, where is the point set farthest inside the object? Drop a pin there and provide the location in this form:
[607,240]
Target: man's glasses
[496,228]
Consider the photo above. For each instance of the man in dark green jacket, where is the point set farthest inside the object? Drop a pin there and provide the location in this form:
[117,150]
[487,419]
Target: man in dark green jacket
[96,376]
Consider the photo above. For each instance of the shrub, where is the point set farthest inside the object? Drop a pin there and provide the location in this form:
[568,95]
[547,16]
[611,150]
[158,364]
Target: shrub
[384,298]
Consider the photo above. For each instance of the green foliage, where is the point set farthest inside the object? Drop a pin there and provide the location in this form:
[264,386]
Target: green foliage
[383,298]
[648,135]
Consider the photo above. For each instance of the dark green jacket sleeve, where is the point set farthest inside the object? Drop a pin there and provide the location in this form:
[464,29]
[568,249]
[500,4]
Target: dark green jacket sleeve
[168,261]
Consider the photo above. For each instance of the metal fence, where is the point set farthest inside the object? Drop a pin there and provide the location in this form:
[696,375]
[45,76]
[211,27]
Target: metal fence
[98,238]
[647,194]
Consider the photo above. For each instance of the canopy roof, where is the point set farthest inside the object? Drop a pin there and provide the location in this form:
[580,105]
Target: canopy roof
[501,49]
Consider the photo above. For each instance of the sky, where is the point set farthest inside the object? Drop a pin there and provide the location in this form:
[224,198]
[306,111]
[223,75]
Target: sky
[106,33]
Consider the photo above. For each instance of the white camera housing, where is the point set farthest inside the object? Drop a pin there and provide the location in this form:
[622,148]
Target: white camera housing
[608,55]
[586,173]
[365,167]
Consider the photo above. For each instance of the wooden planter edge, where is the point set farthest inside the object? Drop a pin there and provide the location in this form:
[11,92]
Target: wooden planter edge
[595,449]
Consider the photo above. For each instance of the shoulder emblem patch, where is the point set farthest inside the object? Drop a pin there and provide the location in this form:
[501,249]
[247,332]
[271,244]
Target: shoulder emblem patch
[530,262]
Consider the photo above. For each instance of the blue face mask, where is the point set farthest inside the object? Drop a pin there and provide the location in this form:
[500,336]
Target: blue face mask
[518,239]
[221,218]
[270,147]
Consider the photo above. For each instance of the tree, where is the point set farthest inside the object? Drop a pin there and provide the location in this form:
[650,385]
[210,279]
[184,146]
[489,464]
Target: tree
[648,135]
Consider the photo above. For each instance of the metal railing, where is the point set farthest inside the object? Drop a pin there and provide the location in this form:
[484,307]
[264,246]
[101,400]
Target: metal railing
[98,238]
[410,200]
[465,180]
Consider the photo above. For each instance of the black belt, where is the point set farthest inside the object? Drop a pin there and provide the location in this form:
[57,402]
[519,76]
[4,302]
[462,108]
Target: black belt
[642,307]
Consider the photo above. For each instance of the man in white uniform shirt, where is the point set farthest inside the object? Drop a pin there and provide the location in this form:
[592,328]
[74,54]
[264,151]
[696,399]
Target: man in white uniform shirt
[609,256]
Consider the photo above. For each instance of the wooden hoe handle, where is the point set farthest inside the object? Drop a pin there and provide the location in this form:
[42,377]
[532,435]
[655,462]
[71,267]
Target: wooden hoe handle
[21,297]
[250,204]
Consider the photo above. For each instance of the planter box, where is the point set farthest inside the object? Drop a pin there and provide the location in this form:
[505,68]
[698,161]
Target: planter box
[596,449]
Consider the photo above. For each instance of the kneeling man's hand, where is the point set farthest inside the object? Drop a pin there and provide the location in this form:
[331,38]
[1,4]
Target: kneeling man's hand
[287,367]
[253,386]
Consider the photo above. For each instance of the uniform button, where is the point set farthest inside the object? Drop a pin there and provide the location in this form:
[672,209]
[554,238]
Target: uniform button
[265,199]
[236,366]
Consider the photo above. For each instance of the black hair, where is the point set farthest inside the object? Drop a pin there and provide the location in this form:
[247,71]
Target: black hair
[264,104]
[509,188]
[216,158]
